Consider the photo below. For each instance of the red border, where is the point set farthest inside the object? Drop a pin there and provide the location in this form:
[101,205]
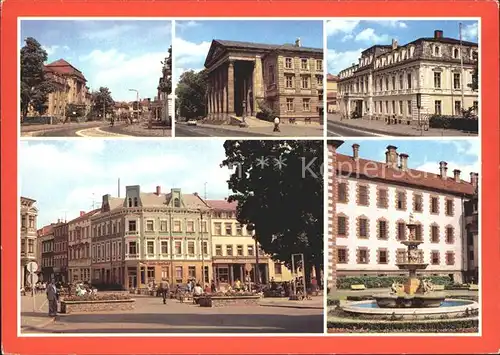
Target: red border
[488,11]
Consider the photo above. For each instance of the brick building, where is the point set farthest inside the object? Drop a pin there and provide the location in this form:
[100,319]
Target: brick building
[60,253]
[79,244]
[244,77]
[45,237]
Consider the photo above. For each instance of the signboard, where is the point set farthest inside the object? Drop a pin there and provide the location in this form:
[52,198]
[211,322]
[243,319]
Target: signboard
[32,279]
[32,267]
[248,267]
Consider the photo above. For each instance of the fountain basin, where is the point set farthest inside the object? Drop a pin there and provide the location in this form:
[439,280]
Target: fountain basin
[411,266]
[447,308]
[431,300]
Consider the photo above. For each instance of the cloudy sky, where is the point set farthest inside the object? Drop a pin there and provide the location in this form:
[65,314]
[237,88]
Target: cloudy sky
[425,155]
[118,54]
[346,39]
[66,177]
[193,38]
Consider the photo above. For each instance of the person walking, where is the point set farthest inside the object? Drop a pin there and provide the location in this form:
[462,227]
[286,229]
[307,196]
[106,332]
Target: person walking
[276,124]
[165,290]
[52,297]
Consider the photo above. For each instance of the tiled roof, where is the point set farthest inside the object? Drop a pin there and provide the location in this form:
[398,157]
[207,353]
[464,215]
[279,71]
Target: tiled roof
[267,47]
[222,205]
[63,67]
[46,230]
[422,179]
[86,215]
[151,199]
[331,95]
[331,77]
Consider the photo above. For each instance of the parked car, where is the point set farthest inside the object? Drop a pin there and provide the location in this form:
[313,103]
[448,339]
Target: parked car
[192,123]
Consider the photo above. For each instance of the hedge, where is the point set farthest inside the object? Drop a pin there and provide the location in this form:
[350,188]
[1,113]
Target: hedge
[98,297]
[454,122]
[345,282]
[441,326]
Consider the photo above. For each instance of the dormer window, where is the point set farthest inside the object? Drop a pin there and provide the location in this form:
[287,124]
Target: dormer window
[177,202]
[437,51]
[135,202]
[129,202]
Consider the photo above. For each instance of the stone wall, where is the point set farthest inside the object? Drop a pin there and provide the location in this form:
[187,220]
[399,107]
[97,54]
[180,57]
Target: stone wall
[96,306]
[231,301]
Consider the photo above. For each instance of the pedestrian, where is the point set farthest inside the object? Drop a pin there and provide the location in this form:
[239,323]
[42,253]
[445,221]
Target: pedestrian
[165,290]
[52,297]
[276,124]
[213,287]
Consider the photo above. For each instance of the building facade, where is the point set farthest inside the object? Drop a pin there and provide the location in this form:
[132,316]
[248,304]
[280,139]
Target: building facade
[331,93]
[145,237]
[46,243]
[60,254]
[28,236]
[246,78]
[374,202]
[79,246]
[472,230]
[410,82]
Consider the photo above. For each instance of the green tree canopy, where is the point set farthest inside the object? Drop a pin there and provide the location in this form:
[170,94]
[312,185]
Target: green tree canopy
[279,188]
[190,92]
[102,101]
[165,84]
[35,87]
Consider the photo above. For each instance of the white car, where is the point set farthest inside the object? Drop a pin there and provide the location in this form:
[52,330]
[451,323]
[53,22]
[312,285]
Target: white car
[192,123]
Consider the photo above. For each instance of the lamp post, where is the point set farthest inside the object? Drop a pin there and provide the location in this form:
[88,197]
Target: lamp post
[346,105]
[137,95]
[202,248]
[251,230]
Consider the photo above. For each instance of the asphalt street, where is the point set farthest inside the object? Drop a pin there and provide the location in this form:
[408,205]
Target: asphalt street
[183,130]
[337,130]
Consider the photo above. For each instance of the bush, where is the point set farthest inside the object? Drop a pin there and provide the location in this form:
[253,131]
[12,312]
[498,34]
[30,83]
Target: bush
[332,302]
[107,287]
[469,124]
[440,326]
[266,112]
[99,297]
[384,281]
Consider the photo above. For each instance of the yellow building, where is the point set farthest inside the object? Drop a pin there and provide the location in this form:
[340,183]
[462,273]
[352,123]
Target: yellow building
[331,92]
[234,249]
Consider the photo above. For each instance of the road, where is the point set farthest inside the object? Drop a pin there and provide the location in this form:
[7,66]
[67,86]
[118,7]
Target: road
[183,130]
[100,131]
[337,130]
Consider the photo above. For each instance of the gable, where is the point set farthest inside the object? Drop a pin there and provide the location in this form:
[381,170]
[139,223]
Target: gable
[215,52]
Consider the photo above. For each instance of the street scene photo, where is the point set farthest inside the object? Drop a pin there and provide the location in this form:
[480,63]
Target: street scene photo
[403,236]
[248,78]
[95,78]
[402,78]
[230,241]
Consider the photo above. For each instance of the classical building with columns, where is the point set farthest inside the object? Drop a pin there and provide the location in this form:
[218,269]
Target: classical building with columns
[431,75]
[244,77]
[147,236]
[28,235]
[374,201]
[79,243]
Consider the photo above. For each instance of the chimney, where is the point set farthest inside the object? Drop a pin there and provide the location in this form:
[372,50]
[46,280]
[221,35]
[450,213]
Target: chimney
[456,175]
[59,220]
[158,190]
[355,151]
[403,161]
[443,170]
[82,213]
[297,42]
[438,34]
[474,177]
[391,156]
[394,44]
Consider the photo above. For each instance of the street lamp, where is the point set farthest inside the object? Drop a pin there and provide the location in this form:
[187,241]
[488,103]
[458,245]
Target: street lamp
[137,93]
[251,230]
[202,248]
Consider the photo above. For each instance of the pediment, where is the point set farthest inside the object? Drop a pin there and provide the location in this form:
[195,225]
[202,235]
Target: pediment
[215,52]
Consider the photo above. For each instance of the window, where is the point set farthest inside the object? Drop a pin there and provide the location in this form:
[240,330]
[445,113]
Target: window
[191,248]
[31,246]
[289,81]
[341,256]
[239,250]
[177,226]
[306,105]
[289,104]
[163,226]
[471,255]
[382,230]
[204,226]
[382,201]
[450,258]
[436,51]
[342,192]
[304,82]
[178,274]
[228,227]
[449,235]
[205,248]
[393,83]
[434,234]
[401,108]
[408,80]
[177,202]
[387,83]
[387,107]
[362,195]
[458,108]
[319,80]
[381,86]
[417,203]
[401,200]
[401,84]
[304,64]
[382,256]
[178,247]
[475,105]
[218,228]
[23,221]
[164,247]
[401,230]
[437,107]
[455,53]
[288,63]
[363,228]
[150,226]
[341,226]
[362,256]
[271,74]
[250,250]
[456,81]
[218,250]
[150,273]
[151,247]
[319,65]
[132,248]
[277,268]
[132,226]
[239,229]
[437,80]
[435,258]
[434,205]
[229,250]
[449,207]
[192,272]
[418,232]
[409,107]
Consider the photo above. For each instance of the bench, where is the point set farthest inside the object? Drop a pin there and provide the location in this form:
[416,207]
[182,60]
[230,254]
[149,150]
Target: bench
[358,287]
[307,120]
[473,287]
[438,287]
[291,120]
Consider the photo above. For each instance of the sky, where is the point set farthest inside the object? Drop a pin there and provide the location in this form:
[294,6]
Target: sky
[120,55]
[66,177]
[193,38]
[424,155]
[346,39]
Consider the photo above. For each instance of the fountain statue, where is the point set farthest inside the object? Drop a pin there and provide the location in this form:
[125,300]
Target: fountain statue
[413,292]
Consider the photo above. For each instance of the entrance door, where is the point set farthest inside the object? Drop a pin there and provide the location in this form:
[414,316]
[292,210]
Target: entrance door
[132,281]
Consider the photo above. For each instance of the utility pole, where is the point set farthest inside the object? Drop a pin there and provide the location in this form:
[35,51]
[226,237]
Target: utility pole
[462,79]
[202,249]
[205,192]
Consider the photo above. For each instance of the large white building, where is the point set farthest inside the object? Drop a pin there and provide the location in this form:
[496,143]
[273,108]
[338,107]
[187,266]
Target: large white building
[404,82]
[373,203]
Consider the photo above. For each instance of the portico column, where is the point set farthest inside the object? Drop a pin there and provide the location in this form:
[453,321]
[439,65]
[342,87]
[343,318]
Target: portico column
[348,108]
[230,87]
[222,91]
[22,275]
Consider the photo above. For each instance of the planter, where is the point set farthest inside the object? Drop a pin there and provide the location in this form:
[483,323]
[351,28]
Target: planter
[96,306]
[222,301]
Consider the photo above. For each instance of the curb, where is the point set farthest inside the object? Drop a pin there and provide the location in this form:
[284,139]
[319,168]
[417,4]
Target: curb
[370,130]
[290,306]
[49,128]
[38,326]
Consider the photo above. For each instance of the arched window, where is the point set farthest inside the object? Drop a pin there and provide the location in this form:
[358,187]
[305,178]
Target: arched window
[177,202]
[135,202]
[455,53]
[129,202]
[436,51]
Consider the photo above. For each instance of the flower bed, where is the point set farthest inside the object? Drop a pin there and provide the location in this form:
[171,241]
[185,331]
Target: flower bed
[384,281]
[97,303]
[439,326]
[220,299]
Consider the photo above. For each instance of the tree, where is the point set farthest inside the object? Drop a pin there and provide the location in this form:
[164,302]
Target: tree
[279,188]
[102,101]
[190,92]
[35,86]
[165,84]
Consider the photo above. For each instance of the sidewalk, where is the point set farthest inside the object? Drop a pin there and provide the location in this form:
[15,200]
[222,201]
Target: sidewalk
[315,303]
[37,319]
[47,127]
[290,130]
[381,127]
